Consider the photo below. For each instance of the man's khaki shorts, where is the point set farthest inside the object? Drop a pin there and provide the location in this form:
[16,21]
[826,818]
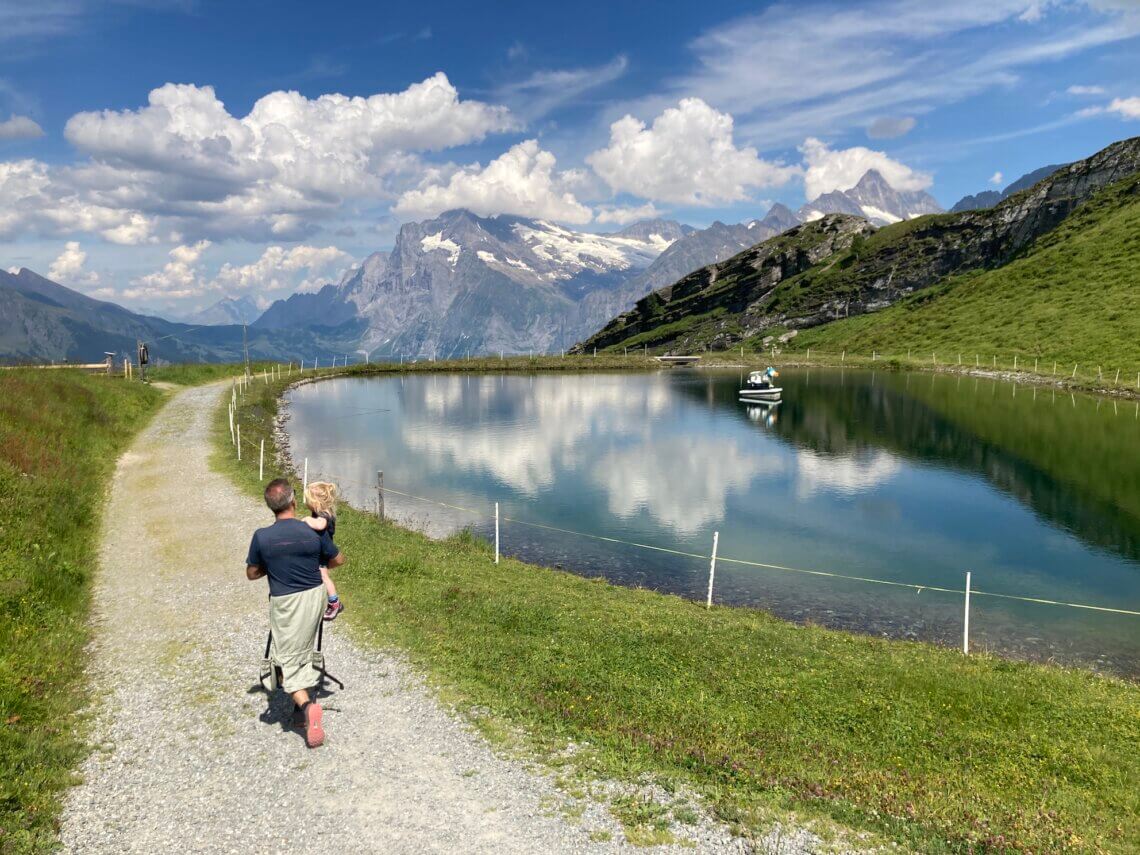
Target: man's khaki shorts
[294,620]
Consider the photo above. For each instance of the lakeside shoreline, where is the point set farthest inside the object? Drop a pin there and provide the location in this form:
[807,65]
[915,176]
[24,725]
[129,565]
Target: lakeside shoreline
[405,602]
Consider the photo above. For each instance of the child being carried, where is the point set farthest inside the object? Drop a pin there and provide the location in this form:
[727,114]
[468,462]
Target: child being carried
[320,496]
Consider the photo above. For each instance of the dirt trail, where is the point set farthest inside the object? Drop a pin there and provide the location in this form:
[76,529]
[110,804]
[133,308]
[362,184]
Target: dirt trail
[188,757]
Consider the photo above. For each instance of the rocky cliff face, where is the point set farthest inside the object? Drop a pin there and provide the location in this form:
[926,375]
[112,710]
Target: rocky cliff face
[461,284]
[863,272]
[989,198]
[721,303]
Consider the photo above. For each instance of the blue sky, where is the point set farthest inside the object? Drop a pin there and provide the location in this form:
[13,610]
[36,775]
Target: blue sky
[151,151]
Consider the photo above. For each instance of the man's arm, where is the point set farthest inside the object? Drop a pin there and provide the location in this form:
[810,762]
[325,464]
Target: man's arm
[336,561]
[254,567]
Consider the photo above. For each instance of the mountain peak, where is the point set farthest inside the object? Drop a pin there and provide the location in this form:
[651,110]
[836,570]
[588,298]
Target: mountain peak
[780,218]
[872,178]
[668,230]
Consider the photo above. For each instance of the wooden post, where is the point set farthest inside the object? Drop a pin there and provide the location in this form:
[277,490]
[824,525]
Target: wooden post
[1015,362]
[496,532]
[239,442]
[380,493]
[712,569]
[261,462]
[966,618]
[1117,380]
[1074,370]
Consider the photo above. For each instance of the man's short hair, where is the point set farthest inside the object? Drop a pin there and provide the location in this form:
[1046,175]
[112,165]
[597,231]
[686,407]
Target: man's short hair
[279,495]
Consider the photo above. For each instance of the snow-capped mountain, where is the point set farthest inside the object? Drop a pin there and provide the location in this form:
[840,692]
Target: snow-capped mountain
[228,310]
[874,198]
[461,283]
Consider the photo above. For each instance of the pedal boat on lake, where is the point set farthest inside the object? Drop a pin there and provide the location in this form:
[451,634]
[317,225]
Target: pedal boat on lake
[760,386]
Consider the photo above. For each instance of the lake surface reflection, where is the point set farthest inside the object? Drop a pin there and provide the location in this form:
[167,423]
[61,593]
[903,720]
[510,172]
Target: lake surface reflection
[898,477]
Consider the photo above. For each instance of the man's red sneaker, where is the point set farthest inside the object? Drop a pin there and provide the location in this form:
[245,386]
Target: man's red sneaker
[314,733]
[333,609]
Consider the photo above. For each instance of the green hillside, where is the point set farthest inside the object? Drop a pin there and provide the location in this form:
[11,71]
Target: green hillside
[1048,272]
[1073,297]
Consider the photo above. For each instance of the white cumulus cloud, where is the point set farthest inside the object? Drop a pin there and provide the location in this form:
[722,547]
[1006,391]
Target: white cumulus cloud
[37,198]
[996,178]
[521,181]
[177,280]
[20,128]
[688,157]
[1085,90]
[69,268]
[182,163]
[277,269]
[1126,108]
[622,215]
[840,169]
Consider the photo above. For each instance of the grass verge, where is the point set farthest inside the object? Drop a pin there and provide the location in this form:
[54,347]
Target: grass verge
[60,435]
[916,743]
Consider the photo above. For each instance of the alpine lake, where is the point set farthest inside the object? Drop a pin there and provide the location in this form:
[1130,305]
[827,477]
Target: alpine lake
[908,478]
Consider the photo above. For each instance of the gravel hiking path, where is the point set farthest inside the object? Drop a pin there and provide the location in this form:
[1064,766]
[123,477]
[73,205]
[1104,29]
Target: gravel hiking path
[187,754]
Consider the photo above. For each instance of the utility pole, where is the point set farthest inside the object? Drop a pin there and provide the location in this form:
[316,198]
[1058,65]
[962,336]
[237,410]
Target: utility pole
[245,347]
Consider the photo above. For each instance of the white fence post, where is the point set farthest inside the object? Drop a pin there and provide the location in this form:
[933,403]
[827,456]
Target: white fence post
[966,618]
[712,569]
[496,532]
[239,442]
[305,478]
[261,462]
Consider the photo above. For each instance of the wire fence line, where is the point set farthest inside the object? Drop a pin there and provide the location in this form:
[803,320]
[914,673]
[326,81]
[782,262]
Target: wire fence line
[967,591]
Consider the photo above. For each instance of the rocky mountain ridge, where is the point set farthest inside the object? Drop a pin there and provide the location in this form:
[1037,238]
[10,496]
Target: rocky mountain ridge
[712,307]
[460,283]
[874,198]
[41,320]
[228,310]
[989,198]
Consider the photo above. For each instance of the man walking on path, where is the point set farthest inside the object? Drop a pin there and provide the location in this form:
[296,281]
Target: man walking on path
[291,554]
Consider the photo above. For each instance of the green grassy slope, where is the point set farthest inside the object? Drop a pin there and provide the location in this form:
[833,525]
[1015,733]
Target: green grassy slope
[60,434]
[927,257]
[1073,297]
[939,751]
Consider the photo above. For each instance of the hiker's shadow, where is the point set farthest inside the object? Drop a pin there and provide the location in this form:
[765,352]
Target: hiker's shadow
[280,709]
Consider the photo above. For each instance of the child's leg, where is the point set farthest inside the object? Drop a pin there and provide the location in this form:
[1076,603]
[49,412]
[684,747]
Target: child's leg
[329,586]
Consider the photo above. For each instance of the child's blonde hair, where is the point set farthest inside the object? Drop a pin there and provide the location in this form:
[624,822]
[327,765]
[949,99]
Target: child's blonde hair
[321,496]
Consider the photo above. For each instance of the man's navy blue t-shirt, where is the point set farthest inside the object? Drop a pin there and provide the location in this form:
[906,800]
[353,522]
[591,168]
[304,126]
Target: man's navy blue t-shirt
[292,554]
